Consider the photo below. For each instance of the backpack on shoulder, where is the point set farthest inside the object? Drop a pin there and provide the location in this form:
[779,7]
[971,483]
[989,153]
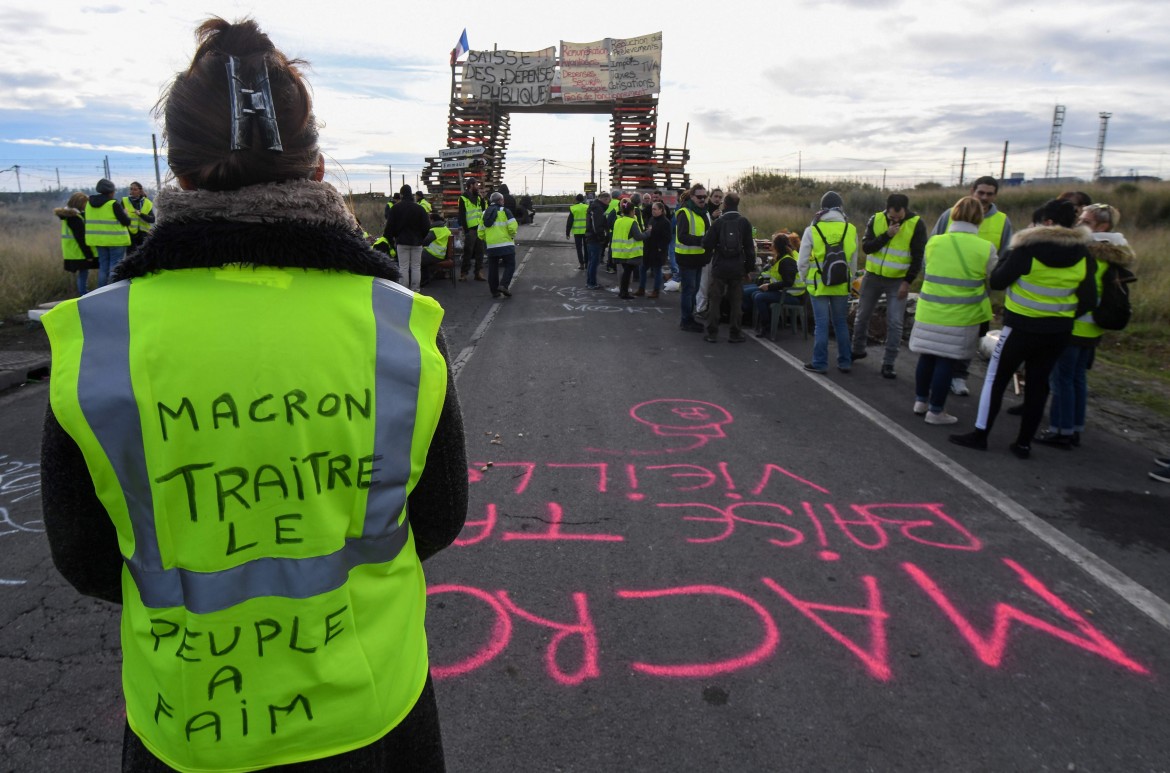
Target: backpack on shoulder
[835,266]
[1113,308]
[729,255]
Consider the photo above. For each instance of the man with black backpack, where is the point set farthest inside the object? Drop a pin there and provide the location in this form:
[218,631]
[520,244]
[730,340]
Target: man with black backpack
[828,258]
[733,257]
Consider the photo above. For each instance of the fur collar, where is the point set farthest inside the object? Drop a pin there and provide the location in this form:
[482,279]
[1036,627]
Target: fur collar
[1112,252]
[1051,234]
[65,212]
[305,201]
[292,224]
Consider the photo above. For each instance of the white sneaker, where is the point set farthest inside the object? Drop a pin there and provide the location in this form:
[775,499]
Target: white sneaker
[920,408]
[942,417]
[959,387]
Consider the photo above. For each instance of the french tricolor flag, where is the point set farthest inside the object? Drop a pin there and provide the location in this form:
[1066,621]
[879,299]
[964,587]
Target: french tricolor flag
[461,47]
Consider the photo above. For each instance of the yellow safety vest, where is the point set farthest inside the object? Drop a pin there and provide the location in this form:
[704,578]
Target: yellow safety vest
[438,247]
[137,223]
[954,284]
[102,228]
[426,205]
[1046,291]
[577,212]
[622,246]
[70,249]
[614,206]
[773,273]
[893,260]
[473,210]
[991,229]
[833,230]
[1084,326]
[698,227]
[273,601]
[501,232]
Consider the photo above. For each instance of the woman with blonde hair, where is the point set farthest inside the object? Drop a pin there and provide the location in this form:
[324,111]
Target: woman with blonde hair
[253,440]
[952,304]
[79,256]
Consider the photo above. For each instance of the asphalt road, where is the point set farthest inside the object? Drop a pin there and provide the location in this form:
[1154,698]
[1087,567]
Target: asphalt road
[688,556]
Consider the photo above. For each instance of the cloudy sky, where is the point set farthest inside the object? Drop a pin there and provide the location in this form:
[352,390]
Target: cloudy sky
[854,88]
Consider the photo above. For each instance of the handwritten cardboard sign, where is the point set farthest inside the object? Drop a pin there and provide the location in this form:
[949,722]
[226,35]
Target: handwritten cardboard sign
[613,68]
[517,78]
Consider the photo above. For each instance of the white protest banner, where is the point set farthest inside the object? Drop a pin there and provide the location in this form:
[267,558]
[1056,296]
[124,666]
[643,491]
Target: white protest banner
[612,68]
[514,78]
[635,66]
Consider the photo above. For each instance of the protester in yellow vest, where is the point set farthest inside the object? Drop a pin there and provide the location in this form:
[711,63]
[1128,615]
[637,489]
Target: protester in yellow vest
[107,229]
[995,228]
[1049,277]
[256,478]
[575,227]
[436,246]
[626,245]
[691,223]
[141,212]
[1069,381]
[894,241]
[829,302]
[779,282]
[79,256]
[952,305]
[421,199]
[497,231]
[471,207]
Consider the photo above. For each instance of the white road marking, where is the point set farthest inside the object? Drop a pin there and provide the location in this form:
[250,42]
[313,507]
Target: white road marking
[481,331]
[1150,604]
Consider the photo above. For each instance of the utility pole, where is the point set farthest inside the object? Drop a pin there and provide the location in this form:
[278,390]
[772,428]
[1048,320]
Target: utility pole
[1099,167]
[883,186]
[593,159]
[542,180]
[157,175]
[799,158]
[58,171]
[1052,170]
[19,190]
[390,172]
[1003,164]
[963,168]
[106,166]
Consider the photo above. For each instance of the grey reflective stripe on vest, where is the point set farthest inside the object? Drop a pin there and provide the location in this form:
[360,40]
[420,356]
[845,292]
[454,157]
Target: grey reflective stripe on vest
[952,281]
[112,227]
[1040,305]
[1049,292]
[951,299]
[104,380]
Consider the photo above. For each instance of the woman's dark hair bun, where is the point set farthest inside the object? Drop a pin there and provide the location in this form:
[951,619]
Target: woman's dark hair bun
[196,112]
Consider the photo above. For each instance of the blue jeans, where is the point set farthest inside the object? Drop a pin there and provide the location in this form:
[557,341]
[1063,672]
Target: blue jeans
[594,250]
[82,282]
[494,259]
[688,288]
[108,258]
[646,273]
[1069,385]
[832,308]
[932,380]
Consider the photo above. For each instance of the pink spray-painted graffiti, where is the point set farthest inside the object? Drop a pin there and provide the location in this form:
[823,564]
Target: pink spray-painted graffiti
[704,508]
[698,421]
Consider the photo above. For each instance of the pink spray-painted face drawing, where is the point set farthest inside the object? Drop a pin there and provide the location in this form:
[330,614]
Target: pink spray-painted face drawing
[683,418]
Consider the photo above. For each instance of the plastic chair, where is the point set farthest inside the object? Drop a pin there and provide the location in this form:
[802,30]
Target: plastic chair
[786,314]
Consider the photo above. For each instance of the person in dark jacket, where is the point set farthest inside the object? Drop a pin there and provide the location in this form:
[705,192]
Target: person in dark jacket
[509,201]
[407,226]
[1050,279]
[263,221]
[728,270]
[597,230]
[654,249]
[79,257]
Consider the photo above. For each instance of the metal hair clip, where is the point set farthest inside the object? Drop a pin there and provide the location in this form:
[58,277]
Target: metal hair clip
[248,102]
